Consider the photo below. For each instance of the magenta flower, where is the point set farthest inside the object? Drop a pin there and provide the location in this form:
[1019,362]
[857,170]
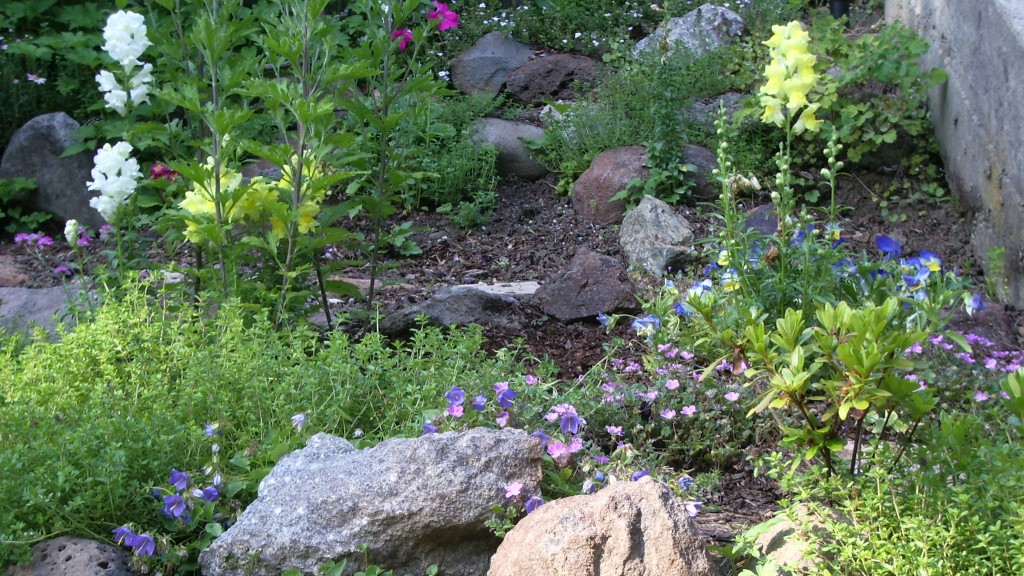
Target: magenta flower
[448,19]
[406,37]
[160,171]
[455,410]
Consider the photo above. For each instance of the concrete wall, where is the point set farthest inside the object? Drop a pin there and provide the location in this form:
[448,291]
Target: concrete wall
[979,117]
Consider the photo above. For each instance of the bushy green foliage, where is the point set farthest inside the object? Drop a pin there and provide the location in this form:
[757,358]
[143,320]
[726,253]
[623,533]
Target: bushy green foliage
[13,213]
[47,54]
[90,424]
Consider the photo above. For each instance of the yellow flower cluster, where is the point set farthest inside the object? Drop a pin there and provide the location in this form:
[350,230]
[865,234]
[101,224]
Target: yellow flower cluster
[257,202]
[790,77]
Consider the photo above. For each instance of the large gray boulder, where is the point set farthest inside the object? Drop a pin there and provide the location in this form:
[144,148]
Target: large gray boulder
[551,77]
[514,158]
[609,173]
[70,556]
[627,529]
[699,31]
[591,284]
[34,152]
[455,306]
[413,501]
[21,309]
[656,237]
[486,65]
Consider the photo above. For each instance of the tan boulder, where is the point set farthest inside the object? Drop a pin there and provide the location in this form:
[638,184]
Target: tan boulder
[627,529]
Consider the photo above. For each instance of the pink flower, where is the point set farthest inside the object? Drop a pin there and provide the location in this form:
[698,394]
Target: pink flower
[502,419]
[448,19]
[530,379]
[406,36]
[455,410]
[513,489]
[688,410]
[732,396]
[672,384]
[668,413]
[980,396]
[613,430]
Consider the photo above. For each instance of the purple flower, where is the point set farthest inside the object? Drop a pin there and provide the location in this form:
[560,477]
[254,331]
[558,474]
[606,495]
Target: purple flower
[178,479]
[602,459]
[602,318]
[513,489]
[455,410]
[685,483]
[668,413]
[210,493]
[533,503]
[973,303]
[63,270]
[692,508]
[732,396]
[530,380]
[143,545]
[540,435]
[614,430]
[639,474]
[174,506]
[569,420]
[299,420]
[502,419]
[480,403]
[980,396]
[105,231]
[212,429]
[889,247]
[123,535]
[84,240]
[456,396]
[506,398]
[44,242]
[429,428]
[688,410]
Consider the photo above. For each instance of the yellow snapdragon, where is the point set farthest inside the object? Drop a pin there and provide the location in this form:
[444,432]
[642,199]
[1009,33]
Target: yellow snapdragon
[790,77]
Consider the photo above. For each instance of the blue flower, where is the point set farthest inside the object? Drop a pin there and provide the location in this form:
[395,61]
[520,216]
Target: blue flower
[639,474]
[456,396]
[889,247]
[123,535]
[646,325]
[299,420]
[682,309]
[506,398]
[599,477]
[212,429]
[174,506]
[603,319]
[210,493]
[533,503]
[930,261]
[973,303]
[143,545]
[178,479]
[480,403]
[685,483]
[801,235]
[429,428]
[844,267]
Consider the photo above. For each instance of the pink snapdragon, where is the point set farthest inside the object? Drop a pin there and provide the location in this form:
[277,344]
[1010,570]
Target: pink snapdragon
[448,18]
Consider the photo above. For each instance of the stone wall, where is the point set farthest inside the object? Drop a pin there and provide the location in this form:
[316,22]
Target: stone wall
[979,119]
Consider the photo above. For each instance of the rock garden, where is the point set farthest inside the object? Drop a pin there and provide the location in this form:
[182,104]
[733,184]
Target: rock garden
[521,288]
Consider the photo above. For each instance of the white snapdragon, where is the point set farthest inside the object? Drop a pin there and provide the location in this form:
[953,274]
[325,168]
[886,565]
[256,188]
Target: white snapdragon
[71,231]
[115,176]
[125,35]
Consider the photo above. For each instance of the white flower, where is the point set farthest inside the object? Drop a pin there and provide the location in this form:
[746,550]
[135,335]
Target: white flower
[113,93]
[125,35]
[71,231]
[140,84]
[115,175]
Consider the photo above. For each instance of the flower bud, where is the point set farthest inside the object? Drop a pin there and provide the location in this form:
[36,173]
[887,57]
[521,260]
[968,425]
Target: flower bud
[71,232]
[826,173]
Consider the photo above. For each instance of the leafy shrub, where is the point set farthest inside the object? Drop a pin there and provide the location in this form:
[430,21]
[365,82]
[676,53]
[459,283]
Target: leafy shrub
[13,214]
[89,425]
